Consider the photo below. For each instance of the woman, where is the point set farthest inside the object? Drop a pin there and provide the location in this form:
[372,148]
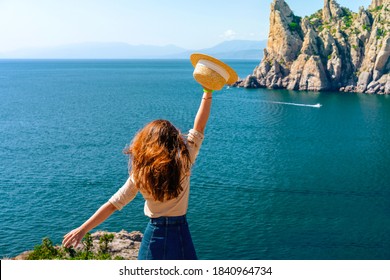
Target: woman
[160,164]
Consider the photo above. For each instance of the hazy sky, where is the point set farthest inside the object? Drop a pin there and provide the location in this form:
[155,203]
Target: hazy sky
[189,24]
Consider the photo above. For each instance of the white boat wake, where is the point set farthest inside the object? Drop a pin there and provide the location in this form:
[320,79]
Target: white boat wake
[318,105]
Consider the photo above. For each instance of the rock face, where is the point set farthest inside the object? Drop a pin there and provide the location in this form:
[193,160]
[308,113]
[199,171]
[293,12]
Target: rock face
[333,49]
[331,11]
[376,3]
[124,244]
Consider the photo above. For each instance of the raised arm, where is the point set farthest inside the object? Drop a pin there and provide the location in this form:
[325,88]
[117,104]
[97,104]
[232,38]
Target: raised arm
[75,236]
[204,111]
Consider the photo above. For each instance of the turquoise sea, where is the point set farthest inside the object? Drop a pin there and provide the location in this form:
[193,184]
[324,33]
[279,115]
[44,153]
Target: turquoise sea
[274,179]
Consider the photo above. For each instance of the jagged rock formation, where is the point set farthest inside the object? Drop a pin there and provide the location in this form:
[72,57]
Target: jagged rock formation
[333,49]
[331,11]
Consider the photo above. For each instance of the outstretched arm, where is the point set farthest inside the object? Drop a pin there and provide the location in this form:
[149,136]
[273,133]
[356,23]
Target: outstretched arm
[75,236]
[204,111]
[123,196]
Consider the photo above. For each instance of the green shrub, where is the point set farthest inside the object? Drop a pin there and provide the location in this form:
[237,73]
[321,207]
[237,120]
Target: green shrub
[46,250]
[88,244]
[104,241]
[348,23]
[376,9]
[347,18]
[317,14]
[346,11]
[293,26]
[297,19]
[380,33]
[366,27]
[356,31]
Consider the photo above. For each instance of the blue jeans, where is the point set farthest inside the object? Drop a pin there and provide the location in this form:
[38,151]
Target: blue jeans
[167,238]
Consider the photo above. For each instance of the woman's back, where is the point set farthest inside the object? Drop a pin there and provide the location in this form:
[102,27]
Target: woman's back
[170,207]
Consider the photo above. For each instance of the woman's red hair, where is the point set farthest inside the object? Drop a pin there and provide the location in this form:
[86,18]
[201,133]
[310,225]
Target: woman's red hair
[159,158]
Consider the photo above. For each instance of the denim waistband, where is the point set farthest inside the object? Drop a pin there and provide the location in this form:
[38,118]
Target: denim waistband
[169,220]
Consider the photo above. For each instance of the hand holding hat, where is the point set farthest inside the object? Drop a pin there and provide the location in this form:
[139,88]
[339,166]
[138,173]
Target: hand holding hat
[212,73]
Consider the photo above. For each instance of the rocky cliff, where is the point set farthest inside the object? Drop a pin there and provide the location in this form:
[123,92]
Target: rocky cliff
[333,49]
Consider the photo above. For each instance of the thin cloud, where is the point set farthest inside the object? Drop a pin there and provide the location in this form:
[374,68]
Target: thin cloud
[229,34]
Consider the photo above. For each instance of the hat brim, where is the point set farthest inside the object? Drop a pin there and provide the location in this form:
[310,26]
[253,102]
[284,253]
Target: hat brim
[233,77]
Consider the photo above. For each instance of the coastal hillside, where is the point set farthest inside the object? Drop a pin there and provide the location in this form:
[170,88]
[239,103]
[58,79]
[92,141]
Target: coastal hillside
[332,49]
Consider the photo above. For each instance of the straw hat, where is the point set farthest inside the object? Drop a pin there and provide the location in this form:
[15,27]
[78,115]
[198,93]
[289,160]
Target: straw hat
[212,73]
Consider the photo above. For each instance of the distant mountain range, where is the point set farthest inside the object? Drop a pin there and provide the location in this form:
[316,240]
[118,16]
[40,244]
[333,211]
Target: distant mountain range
[234,49]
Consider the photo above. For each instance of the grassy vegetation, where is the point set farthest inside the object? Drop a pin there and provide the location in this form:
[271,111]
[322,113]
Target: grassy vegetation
[355,31]
[346,11]
[380,33]
[366,27]
[47,251]
[316,15]
[377,9]
[347,18]
[293,26]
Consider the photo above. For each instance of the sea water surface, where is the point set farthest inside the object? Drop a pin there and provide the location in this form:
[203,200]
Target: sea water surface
[275,179]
